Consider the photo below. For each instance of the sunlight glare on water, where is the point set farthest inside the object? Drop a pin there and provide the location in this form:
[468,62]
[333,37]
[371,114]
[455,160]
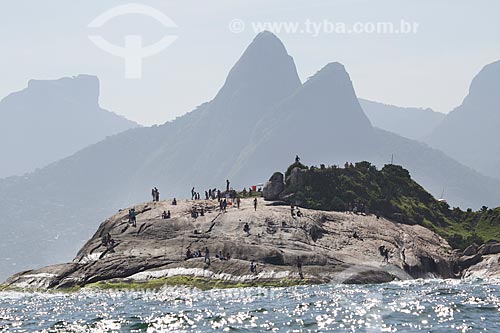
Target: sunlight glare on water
[410,306]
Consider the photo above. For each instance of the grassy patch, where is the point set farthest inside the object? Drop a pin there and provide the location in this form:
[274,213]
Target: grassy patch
[390,192]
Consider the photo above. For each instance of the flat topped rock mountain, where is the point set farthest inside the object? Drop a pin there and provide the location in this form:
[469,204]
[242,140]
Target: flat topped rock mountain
[52,119]
[332,246]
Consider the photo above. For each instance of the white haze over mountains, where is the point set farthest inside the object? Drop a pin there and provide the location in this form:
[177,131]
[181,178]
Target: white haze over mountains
[471,132]
[412,123]
[261,117]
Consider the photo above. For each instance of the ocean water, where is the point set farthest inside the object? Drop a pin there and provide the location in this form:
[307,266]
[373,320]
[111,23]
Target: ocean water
[413,306]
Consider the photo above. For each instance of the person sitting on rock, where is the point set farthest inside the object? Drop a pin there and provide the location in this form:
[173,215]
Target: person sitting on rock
[246,228]
[220,256]
[299,213]
[105,239]
[189,254]
[228,256]
[207,256]
[356,236]
[111,244]
[253,267]
[164,215]
[174,202]
[202,211]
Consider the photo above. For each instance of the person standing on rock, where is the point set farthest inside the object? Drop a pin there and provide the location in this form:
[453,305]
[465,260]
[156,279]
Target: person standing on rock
[157,195]
[132,217]
[192,193]
[207,256]
[299,267]
[255,204]
[227,185]
[238,202]
[153,194]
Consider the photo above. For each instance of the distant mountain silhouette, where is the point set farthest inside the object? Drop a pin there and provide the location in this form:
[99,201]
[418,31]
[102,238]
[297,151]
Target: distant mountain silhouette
[470,133]
[52,119]
[257,122]
[412,123]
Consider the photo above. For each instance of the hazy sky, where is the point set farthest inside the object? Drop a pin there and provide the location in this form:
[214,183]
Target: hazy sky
[431,68]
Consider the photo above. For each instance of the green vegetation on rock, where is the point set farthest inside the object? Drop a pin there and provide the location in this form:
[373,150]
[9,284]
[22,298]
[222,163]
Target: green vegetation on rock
[389,192]
[196,282]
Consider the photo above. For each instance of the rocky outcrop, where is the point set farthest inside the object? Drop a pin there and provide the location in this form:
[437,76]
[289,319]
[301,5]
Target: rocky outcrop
[273,188]
[481,261]
[346,248]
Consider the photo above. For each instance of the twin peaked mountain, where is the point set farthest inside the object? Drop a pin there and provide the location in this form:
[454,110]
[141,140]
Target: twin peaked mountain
[260,119]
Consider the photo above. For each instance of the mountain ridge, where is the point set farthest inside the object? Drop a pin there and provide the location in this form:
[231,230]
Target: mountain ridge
[469,133]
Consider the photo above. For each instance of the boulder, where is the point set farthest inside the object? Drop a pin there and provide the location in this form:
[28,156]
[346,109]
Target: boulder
[468,261]
[489,248]
[296,178]
[370,277]
[471,250]
[274,187]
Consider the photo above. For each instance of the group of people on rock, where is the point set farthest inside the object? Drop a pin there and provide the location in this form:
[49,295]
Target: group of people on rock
[195,212]
[193,254]
[166,215]
[222,256]
[357,209]
[195,195]
[155,194]
[198,254]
